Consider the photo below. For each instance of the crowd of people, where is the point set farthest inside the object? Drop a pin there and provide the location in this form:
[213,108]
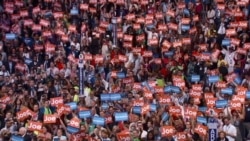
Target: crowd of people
[124,70]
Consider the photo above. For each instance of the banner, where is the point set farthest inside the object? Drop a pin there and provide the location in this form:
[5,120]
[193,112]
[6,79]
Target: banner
[195,78]
[221,103]
[175,89]
[167,89]
[49,119]
[121,116]
[56,101]
[137,110]
[201,130]
[85,114]
[115,97]
[16,138]
[72,105]
[238,80]
[228,91]
[202,120]
[98,120]
[213,78]
[120,75]
[105,97]
[105,106]
[34,126]
[185,27]
[202,109]
[72,130]
[248,94]
[167,131]
[226,42]
[10,36]
[153,107]
[168,53]
[165,116]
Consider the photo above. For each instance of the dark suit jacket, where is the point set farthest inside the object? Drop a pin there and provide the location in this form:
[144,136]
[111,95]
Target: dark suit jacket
[9,68]
[27,138]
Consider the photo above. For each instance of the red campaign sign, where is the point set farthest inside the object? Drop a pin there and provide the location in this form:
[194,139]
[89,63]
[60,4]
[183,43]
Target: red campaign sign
[34,126]
[148,94]
[123,136]
[128,80]
[167,131]
[165,99]
[221,84]
[162,27]
[211,102]
[5,99]
[138,103]
[108,119]
[56,101]
[78,136]
[197,87]
[191,112]
[181,136]
[246,46]
[201,130]
[49,119]
[194,93]
[175,110]
[75,122]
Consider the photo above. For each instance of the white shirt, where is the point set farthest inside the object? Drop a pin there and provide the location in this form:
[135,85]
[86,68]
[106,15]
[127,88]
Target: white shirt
[230,129]
[229,57]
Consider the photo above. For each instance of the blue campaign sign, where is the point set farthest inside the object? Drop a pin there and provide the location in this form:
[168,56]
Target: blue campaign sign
[121,116]
[72,105]
[72,130]
[213,78]
[195,78]
[16,138]
[212,134]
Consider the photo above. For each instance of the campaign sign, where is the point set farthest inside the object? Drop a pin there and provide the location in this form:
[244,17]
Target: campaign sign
[153,107]
[195,78]
[120,75]
[185,27]
[168,53]
[98,120]
[72,130]
[175,89]
[137,109]
[201,120]
[226,42]
[16,138]
[72,105]
[27,61]
[238,80]
[121,116]
[212,134]
[167,89]
[105,97]
[228,91]
[202,109]
[74,11]
[248,94]
[10,36]
[221,103]
[115,97]
[213,78]
[85,114]
[105,106]
[145,84]
[164,116]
